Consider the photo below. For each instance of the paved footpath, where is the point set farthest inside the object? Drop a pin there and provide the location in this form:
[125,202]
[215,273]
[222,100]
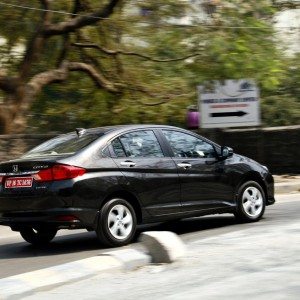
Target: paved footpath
[257,261]
[287,183]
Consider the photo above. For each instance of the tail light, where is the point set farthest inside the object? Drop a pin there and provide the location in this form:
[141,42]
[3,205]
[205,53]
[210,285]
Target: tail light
[59,172]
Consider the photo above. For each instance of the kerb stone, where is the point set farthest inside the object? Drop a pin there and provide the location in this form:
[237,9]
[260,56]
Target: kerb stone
[163,246]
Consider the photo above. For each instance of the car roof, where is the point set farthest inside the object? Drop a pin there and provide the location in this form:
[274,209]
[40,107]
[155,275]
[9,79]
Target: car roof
[119,129]
[106,129]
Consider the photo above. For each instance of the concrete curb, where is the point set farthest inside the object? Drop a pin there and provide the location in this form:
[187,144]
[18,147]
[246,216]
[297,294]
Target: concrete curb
[287,187]
[18,286]
[130,258]
[163,246]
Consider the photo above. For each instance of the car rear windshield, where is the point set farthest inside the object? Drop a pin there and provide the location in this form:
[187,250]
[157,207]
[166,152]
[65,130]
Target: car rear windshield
[63,145]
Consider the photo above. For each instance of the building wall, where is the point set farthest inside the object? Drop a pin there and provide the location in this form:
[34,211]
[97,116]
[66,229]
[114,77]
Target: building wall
[276,147]
[287,26]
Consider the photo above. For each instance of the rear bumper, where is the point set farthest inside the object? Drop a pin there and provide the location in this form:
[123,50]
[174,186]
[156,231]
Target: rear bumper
[58,205]
[63,218]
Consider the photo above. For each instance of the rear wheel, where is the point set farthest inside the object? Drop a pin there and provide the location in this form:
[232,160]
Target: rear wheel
[117,223]
[251,202]
[38,235]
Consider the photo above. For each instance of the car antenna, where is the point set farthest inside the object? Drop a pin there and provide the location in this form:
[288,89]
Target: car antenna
[80,131]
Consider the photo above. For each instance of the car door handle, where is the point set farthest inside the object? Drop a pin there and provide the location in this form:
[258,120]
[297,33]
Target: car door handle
[127,163]
[184,165]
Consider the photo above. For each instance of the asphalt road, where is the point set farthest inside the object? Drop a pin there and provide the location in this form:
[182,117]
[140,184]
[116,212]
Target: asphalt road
[16,256]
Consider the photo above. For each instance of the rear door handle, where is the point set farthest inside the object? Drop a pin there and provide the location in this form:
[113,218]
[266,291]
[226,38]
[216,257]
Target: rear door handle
[127,163]
[184,165]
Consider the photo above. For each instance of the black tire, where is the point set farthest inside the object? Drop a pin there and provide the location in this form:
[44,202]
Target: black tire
[105,232]
[38,235]
[254,212]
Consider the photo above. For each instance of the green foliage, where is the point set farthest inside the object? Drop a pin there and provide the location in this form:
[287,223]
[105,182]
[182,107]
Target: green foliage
[62,108]
[280,110]
[241,45]
[236,41]
[282,106]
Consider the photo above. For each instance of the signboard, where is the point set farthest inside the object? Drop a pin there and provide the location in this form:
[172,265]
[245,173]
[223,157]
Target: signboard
[232,103]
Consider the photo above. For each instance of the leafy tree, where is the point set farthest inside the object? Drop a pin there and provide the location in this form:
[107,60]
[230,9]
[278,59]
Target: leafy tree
[282,106]
[85,39]
[111,62]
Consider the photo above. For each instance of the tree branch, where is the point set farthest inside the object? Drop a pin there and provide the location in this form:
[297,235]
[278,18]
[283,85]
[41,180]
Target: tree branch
[130,53]
[66,36]
[40,80]
[97,77]
[286,4]
[47,13]
[161,98]
[80,21]
[86,57]
[36,43]
[8,84]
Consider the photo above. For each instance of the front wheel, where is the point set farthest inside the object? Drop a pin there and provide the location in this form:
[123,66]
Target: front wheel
[251,202]
[117,223]
[38,235]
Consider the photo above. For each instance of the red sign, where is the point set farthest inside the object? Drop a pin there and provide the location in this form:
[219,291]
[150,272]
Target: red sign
[18,182]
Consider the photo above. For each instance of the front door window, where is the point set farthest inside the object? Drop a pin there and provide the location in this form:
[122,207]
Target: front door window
[189,146]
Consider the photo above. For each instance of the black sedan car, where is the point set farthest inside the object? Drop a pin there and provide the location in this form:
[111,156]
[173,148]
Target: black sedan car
[110,179]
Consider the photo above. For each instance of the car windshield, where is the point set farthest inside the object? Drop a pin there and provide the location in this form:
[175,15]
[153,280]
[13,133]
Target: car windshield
[63,145]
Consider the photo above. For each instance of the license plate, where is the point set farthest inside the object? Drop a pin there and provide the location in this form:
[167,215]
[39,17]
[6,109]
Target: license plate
[18,182]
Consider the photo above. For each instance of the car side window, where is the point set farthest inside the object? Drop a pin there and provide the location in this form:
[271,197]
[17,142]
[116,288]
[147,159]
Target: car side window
[186,145]
[142,143]
[118,148]
[105,152]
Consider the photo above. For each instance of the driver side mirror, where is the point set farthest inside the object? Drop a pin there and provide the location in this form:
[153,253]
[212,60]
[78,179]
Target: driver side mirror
[226,152]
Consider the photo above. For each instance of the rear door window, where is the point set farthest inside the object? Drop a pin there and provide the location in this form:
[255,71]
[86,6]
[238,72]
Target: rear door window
[118,148]
[142,143]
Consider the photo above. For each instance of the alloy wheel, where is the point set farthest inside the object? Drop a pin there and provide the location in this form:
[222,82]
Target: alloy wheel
[252,201]
[120,222]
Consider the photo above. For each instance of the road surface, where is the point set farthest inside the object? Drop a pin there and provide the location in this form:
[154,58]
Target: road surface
[17,256]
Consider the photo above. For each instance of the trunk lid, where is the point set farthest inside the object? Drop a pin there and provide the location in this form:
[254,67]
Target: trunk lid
[17,176]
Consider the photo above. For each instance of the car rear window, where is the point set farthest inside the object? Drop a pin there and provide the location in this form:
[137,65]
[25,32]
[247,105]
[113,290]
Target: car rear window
[64,144]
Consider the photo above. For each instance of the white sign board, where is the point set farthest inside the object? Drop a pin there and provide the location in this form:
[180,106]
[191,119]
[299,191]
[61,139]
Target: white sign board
[232,103]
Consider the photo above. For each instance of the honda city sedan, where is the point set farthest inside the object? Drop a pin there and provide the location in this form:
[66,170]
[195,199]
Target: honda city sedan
[110,179]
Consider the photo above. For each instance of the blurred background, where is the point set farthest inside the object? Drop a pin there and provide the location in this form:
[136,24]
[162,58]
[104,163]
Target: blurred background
[88,63]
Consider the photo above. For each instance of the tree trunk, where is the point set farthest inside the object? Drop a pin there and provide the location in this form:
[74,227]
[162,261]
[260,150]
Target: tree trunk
[12,112]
